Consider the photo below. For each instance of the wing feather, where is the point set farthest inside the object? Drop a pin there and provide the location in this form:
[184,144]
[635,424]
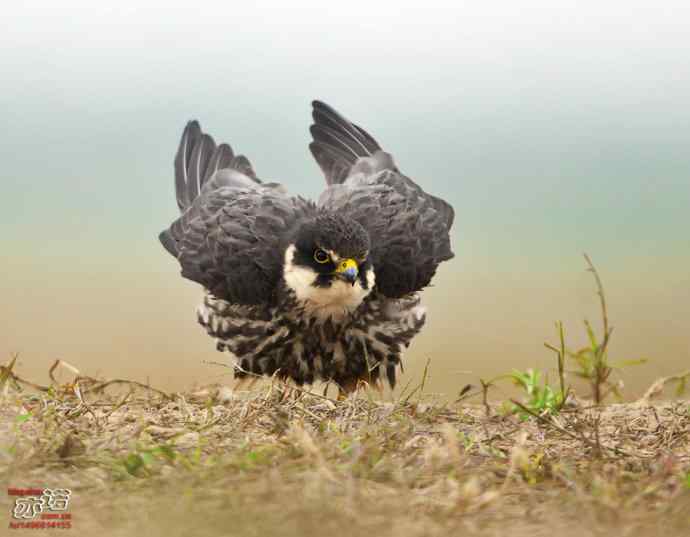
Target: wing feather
[338,144]
[409,229]
[229,235]
[204,148]
[362,142]
[410,234]
[191,134]
[221,158]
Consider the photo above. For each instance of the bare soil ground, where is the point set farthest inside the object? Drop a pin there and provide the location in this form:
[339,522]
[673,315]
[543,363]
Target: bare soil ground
[214,462]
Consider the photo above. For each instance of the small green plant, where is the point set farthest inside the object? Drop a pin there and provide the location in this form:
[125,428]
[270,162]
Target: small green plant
[135,463]
[22,418]
[593,366]
[592,361]
[540,397]
[681,381]
[145,462]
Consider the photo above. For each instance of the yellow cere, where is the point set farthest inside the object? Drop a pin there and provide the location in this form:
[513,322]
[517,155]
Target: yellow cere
[346,264]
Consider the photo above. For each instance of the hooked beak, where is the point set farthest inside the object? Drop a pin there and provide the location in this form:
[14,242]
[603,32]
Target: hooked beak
[348,270]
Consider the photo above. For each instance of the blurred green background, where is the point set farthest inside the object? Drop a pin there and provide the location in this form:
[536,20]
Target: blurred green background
[552,129]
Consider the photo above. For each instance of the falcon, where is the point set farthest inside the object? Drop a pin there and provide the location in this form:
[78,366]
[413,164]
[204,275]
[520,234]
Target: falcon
[308,291]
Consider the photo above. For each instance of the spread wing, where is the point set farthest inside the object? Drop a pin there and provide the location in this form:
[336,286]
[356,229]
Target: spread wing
[229,235]
[409,229]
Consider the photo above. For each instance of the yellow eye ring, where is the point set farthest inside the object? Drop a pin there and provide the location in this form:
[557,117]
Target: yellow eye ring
[321,257]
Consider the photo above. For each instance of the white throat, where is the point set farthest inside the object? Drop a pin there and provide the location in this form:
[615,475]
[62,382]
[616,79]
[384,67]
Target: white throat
[336,301]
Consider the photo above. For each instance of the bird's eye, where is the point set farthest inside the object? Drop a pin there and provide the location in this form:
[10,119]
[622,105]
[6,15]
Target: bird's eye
[321,257]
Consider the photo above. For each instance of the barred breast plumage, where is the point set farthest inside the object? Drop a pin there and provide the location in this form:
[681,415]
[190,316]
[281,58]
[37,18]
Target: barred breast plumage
[283,340]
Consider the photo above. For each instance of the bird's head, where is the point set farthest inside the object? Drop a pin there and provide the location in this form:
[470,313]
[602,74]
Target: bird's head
[327,265]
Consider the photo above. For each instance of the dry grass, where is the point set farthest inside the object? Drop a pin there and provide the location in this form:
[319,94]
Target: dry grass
[262,463]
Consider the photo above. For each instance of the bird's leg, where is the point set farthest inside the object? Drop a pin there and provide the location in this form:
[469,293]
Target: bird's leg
[346,388]
[377,385]
[240,384]
[252,382]
[287,391]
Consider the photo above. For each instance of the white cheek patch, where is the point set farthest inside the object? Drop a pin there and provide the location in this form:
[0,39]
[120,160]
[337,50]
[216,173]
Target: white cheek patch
[371,278]
[299,279]
[334,301]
